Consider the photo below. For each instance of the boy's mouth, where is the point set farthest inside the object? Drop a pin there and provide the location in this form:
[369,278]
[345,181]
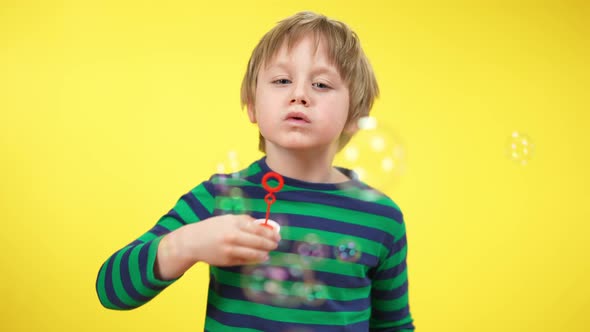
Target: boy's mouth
[297,117]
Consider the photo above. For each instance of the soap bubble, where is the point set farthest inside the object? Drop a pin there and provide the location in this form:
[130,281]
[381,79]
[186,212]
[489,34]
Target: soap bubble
[375,153]
[520,148]
[347,250]
[311,247]
[312,293]
[231,164]
[232,200]
[275,281]
[267,284]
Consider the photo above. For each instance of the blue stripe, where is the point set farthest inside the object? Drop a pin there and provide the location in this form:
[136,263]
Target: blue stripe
[198,209]
[328,252]
[253,322]
[392,272]
[110,288]
[391,315]
[322,198]
[126,279]
[398,245]
[143,267]
[158,230]
[328,278]
[390,294]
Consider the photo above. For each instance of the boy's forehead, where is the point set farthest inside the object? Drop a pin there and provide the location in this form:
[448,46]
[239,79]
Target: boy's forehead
[284,53]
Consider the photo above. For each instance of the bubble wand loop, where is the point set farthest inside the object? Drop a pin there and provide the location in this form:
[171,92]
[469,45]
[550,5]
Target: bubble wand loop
[270,197]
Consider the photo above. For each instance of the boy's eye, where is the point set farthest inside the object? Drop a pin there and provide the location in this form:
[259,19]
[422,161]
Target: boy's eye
[281,81]
[321,85]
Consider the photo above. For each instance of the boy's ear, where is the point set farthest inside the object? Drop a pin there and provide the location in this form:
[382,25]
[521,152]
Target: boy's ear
[251,112]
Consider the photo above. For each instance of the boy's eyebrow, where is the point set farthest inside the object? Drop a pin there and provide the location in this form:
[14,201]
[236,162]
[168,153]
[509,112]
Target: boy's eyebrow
[316,70]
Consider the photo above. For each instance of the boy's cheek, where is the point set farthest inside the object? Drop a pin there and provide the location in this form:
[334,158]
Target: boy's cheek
[251,113]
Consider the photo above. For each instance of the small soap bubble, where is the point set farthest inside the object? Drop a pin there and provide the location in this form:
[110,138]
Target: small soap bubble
[347,250]
[228,168]
[311,247]
[232,200]
[231,164]
[266,284]
[312,293]
[520,148]
[375,154]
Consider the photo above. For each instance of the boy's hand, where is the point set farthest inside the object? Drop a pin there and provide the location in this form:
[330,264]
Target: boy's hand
[227,240]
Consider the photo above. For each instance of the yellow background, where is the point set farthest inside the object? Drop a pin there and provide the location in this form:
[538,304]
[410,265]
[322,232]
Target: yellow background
[111,110]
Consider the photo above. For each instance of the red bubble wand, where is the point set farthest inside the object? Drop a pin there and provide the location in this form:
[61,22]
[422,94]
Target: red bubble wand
[270,197]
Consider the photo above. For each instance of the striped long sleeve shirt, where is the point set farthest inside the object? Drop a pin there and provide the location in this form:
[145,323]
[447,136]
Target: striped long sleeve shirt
[340,265]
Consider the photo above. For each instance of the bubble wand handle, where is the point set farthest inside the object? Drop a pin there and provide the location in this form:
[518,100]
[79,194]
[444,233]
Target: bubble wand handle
[270,197]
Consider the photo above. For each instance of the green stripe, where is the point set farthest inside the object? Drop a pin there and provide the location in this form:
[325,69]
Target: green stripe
[254,168]
[185,211]
[170,223]
[136,274]
[333,239]
[287,315]
[392,305]
[247,281]
[147,237]
[395,259]
[204,197]
[117,282]
[213,325]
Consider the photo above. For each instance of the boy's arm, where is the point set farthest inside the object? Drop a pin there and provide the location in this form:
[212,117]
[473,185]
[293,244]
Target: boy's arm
[389,294]
[127,279]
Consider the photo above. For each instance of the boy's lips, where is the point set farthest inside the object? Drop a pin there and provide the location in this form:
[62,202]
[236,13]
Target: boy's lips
[297,116]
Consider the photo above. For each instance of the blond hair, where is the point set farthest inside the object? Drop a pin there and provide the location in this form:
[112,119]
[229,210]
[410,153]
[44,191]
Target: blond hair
[344,50]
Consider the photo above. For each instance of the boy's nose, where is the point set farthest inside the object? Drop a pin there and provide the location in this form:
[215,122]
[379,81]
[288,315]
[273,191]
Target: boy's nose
[301,101]
[299,95]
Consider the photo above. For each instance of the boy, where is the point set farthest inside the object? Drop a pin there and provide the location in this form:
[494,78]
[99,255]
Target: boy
[339,263]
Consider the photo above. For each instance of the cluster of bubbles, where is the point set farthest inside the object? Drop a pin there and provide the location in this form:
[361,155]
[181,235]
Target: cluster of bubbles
[375,154]
[284,281]
[232,200]
[288,278]
[520,148]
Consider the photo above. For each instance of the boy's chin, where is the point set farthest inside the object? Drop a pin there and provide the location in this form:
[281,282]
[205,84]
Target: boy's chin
[304,147]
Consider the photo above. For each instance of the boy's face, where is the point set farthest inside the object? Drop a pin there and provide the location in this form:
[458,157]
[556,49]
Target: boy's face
[301,100]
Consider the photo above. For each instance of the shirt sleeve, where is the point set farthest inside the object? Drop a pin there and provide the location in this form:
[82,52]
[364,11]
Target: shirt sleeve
[126,280]
[389,294]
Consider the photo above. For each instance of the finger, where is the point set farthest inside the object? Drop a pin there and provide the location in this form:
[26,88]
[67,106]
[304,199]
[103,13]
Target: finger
[241,255]
[251,240]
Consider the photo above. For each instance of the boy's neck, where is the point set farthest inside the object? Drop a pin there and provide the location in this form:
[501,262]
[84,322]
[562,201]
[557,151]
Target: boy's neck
[308,166]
